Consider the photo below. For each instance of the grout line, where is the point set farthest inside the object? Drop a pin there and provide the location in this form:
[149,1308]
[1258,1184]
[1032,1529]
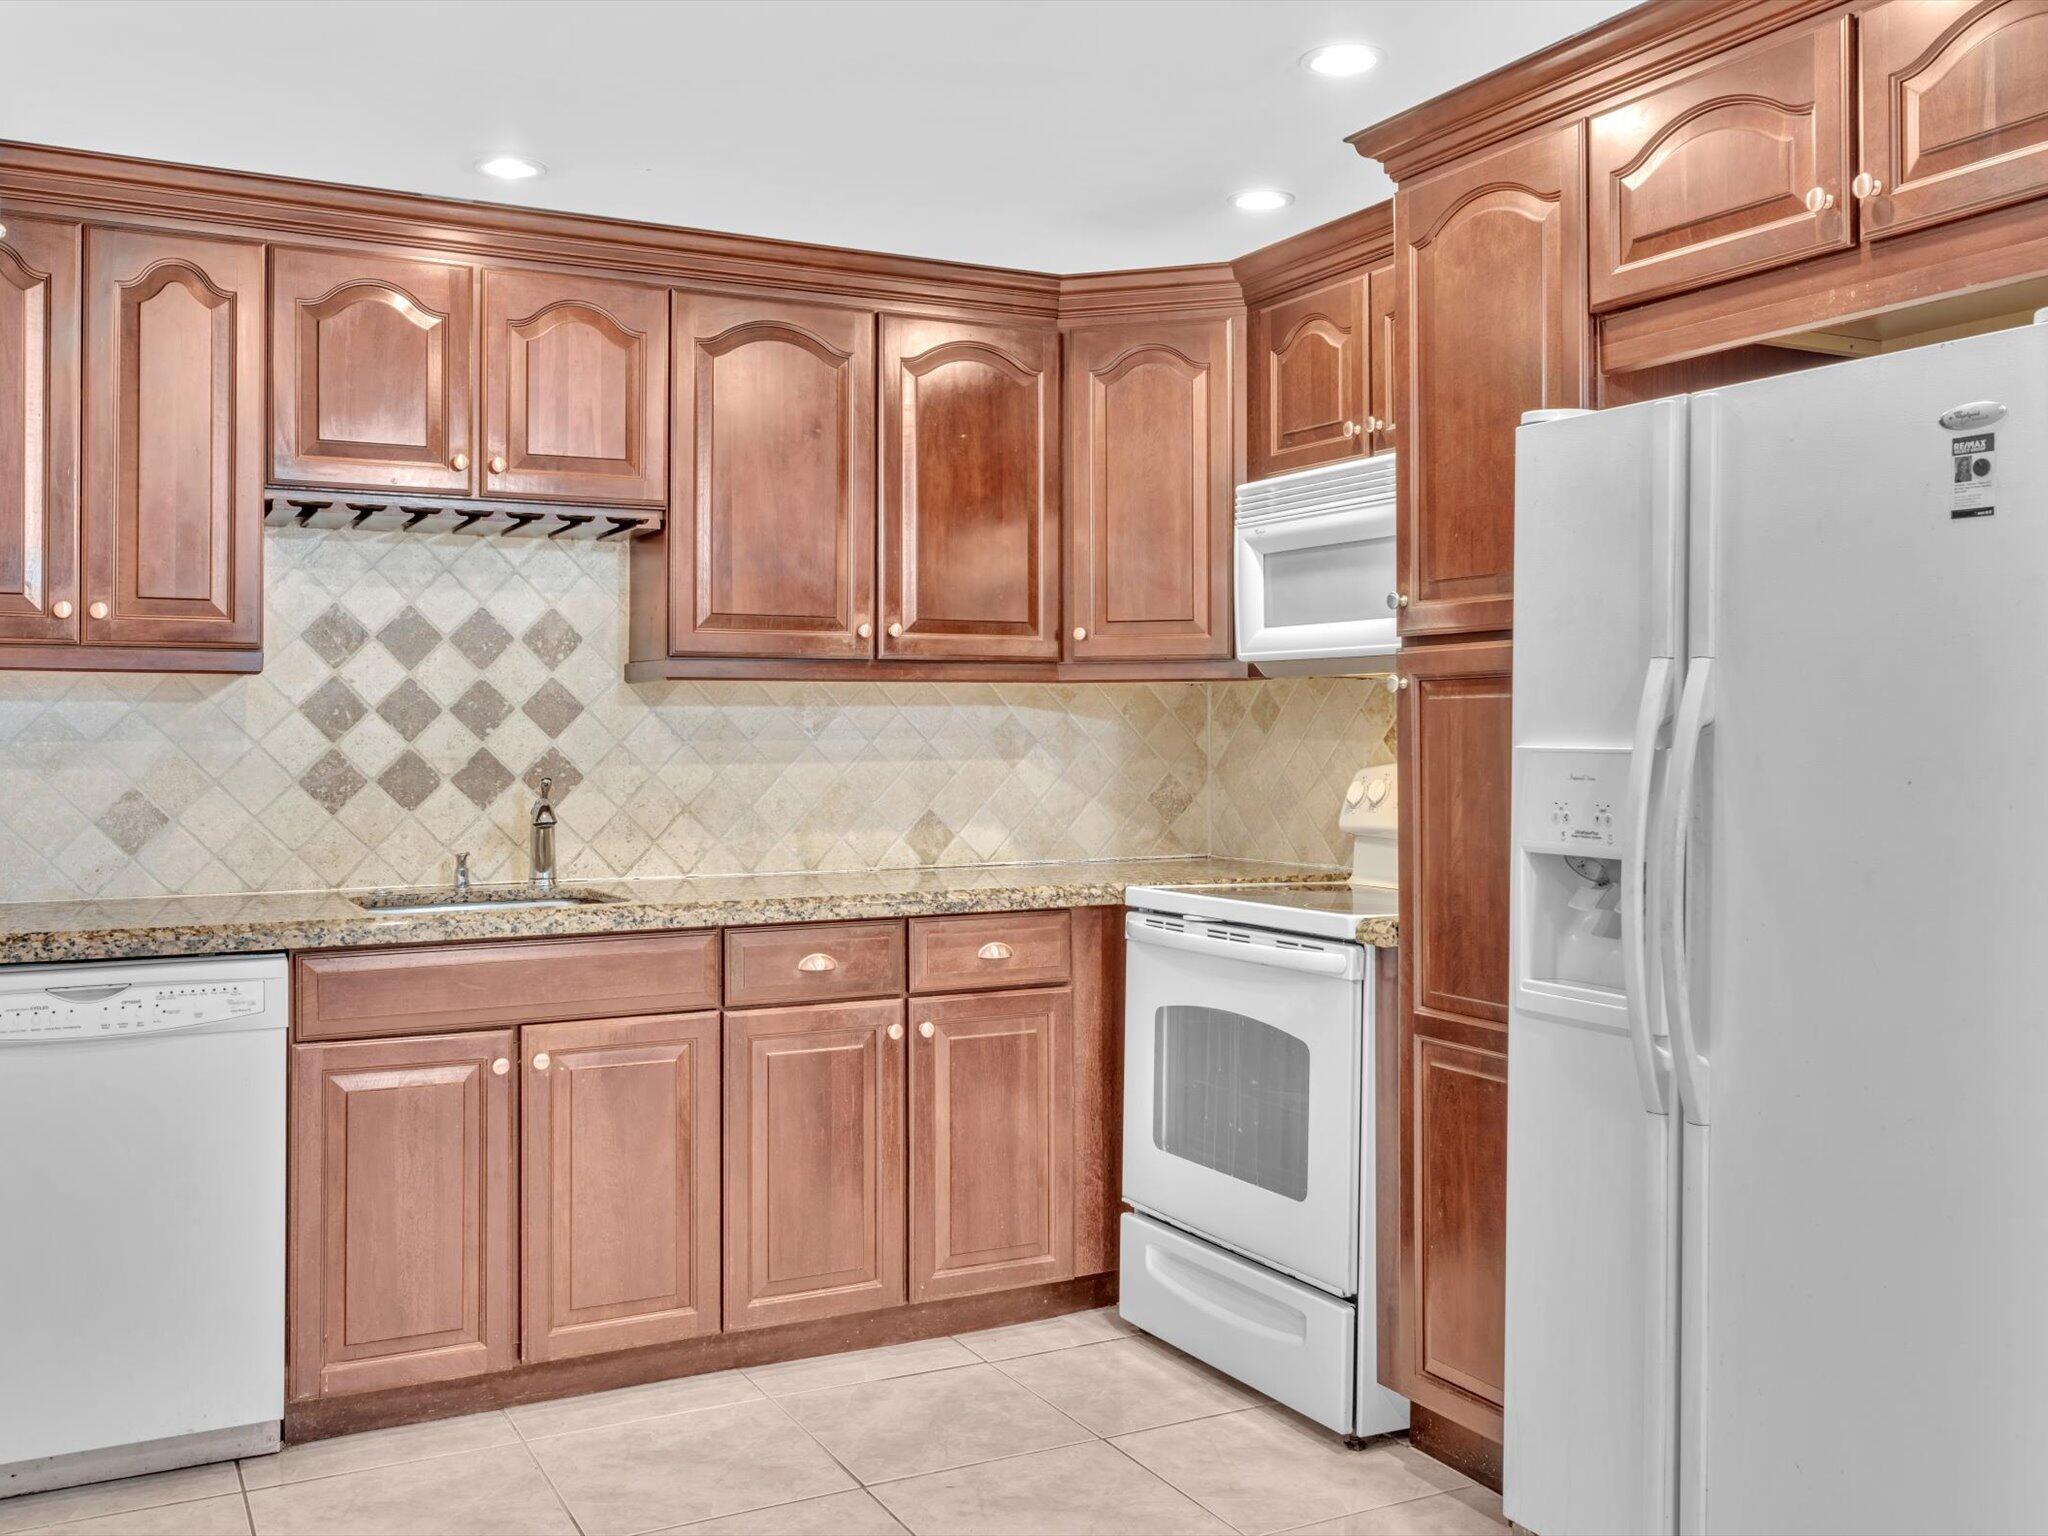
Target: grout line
[645,1418]
[1153,1472]
[567,1512]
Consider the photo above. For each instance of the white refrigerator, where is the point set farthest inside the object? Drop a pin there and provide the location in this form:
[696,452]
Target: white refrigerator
[1777,1245]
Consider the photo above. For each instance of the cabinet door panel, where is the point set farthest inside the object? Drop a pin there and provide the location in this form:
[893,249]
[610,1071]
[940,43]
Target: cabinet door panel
[575,389]
[1710,177]
[1955,108]
[1308,379]
[1494,324]
[39,318]
[619,1176]
[991,1142]
[371,372]
[404,1253]
[1381,317]
[173,502]
[772,538]
[969,491]
[814,1157]
[1454,743]
[1149,479]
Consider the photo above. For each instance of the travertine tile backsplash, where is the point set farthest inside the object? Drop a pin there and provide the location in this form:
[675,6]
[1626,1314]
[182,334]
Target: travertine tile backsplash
[415,691]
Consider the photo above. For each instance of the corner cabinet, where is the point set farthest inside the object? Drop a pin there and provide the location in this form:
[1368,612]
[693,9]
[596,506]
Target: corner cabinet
[969,494]
[1150,463]
[1493,285]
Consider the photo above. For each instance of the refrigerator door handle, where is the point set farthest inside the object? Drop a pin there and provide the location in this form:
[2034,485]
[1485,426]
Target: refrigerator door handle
[1638,905]
[1695,714]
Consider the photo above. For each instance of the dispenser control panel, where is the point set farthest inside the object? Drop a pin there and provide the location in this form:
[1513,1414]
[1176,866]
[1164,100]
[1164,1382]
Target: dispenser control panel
[1571,800]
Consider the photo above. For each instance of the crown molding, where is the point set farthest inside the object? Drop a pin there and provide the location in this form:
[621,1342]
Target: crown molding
[1361,239]
[1570,78]
[1096,298]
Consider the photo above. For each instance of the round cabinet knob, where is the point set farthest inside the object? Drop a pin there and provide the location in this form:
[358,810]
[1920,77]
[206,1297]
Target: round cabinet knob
[61,609]
[1866,185]
[1351,429]
[817,962]
[927,1029]
[1819,200]
[864,629]
[497,463]
[895,631]
[459,462]
[97,610]
[1400,682]
[896,1031]
[1080,633]
[1400,599]
[542,1061]
[500,1067]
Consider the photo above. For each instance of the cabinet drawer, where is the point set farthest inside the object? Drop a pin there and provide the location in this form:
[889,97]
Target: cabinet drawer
[813,962]
[345,995]
[1002,949]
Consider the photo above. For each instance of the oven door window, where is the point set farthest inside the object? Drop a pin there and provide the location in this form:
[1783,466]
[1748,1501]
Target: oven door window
[1232,1094]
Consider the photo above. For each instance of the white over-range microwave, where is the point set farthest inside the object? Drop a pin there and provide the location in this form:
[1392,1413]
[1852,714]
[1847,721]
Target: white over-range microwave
[1315,566]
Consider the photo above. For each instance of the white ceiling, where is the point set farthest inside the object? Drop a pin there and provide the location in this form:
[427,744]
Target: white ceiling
[1058,135]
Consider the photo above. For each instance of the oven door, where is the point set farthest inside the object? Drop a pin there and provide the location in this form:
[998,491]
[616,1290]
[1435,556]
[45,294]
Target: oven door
[1242,1078]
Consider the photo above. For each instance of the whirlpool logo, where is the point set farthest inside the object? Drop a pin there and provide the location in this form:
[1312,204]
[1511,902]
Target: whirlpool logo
[1979,413]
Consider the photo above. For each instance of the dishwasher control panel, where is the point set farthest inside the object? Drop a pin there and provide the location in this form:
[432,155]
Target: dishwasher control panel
[105,1009]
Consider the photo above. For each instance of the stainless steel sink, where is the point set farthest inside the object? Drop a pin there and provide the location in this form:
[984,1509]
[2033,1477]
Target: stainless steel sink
[507,898]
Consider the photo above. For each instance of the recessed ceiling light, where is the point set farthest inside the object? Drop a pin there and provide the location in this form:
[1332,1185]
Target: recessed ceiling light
[509,168]
[1340,61]
[1261,199]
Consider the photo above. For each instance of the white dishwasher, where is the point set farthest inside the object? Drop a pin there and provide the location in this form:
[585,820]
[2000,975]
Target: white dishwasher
[142,1150]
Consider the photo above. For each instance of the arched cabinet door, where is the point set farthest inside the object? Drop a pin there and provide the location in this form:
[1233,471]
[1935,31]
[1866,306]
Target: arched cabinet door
[1308,389]
[1738,167]
[1955,109]
[969,491]
[173,497]
[575,389]
[372,363]
[39,431]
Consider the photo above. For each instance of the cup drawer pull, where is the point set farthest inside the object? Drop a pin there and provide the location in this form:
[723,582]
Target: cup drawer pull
[995,949]
[817,962]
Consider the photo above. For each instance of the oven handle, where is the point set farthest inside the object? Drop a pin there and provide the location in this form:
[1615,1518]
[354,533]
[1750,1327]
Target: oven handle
[1313,962]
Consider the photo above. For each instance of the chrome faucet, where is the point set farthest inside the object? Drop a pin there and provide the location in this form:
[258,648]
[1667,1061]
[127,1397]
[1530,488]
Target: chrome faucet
[542,844]
[461,876]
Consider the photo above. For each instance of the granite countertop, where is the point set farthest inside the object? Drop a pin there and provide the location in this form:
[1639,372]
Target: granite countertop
[41,932]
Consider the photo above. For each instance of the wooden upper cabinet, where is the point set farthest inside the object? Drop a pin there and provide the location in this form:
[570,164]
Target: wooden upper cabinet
[970,516]
[173,499]
[1149,461]
[771,537]
[1381,318]
[1739,166]
[1954,99]
[371,372]
[1493,284]
[814,1161]
[620,1181]
[1308,387]
[991,1142]
[403,1259]
[39,318]
[575,389]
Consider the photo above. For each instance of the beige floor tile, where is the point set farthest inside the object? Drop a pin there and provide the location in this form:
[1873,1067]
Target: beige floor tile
[1048,1333]
[495,1492]
[30,1511]
[628,1405]
[1462,1512]
[686,1466]
[837,1514]
[1266,1470]
[913,1359]
[227,1515]
[1077,1490]
[1127,1385]
[1425,1466]
[377,1448]
[890,1429]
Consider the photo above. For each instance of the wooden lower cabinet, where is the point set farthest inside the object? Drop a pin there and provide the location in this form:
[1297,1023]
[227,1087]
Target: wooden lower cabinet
[814,1161]
[991,1142]
[619,1176]
[403,1252]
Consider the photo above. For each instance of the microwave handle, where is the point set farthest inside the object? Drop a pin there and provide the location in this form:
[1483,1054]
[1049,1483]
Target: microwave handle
[1314,962]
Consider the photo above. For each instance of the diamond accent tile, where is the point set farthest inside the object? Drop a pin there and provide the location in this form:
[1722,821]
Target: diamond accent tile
[552,765]
[408,637]
[482,708]
[552,638]
[483,778]
[480,638]
[409,709]
[333,708]
[332,782]
[131,821]
[553,708]
[336,635]
[409,780]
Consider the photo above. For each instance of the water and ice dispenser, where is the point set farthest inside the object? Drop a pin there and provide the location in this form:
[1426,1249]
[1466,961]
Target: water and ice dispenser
[1569,823]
